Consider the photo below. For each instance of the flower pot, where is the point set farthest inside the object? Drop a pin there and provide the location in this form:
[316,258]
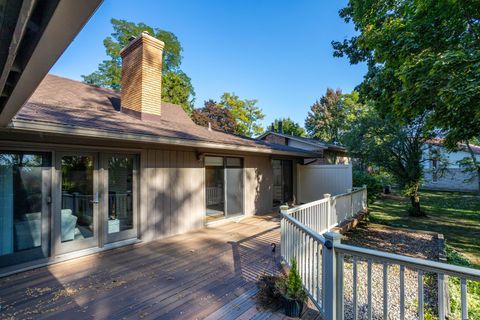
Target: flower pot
[293,308]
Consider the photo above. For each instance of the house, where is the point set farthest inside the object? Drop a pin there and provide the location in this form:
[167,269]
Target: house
[329,153]
[84,169]
[443,170]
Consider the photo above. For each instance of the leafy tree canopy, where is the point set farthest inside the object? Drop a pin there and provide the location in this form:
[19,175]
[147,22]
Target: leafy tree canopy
[396,147]
[245,112]
[423,58]
[219,117]
[330,117]
[289,127]
[176,85]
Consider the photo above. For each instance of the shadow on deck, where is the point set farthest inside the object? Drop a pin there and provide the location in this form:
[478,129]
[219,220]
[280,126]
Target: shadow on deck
[207,273]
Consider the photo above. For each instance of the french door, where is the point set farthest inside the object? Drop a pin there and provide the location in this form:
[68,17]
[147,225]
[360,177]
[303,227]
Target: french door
[77,218]
[97,201]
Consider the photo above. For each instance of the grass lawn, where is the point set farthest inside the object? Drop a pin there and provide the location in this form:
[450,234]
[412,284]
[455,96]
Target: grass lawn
[456,215]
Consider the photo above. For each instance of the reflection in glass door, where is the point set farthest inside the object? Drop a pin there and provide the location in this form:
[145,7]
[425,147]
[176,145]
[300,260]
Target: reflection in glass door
[121,215]
[24,208]
[223,187]
[79,202]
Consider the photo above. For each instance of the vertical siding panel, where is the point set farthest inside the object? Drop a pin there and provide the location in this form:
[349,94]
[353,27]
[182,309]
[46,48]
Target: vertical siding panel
[159,194]
[174,187]
[143,223]
[150,228]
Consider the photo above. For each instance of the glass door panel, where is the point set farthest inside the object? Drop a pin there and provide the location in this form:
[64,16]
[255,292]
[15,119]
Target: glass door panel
[234,187]
[121,205]
[79,202]
[24,209]
[215,188]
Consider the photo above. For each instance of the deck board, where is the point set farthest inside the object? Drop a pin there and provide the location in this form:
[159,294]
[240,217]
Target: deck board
[209,273]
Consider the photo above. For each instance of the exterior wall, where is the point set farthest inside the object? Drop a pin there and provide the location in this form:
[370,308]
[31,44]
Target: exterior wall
[304,146]
[313,181]
[453,179]
[172,193]
[275,139]
[258,185]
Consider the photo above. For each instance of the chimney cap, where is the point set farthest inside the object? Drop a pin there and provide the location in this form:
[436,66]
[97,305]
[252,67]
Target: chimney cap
[143,37]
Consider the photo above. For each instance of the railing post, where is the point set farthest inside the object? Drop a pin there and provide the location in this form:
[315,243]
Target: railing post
[283,244]
[330,280]
[364,197]
[329,207]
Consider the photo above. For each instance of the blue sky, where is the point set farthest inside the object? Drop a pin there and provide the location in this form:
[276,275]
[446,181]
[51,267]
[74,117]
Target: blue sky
[276,51]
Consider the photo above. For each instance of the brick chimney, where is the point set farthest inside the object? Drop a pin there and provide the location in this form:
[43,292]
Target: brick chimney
[142,77]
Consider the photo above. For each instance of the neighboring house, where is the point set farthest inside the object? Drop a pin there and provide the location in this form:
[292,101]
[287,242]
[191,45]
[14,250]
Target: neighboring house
[83,168]
[442,168]
[329,153]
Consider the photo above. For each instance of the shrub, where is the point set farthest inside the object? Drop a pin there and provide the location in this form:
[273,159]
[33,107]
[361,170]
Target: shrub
[374,183]
[291,286]
[268,297]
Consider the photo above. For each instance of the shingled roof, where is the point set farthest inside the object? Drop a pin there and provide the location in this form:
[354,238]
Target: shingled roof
[73,104]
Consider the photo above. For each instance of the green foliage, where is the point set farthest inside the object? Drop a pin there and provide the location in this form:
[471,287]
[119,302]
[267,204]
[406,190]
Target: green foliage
[423,58]
[177,88]
[473,288]
[291,286]
[268,297]
[374,183]
[176,85]
[247,115]
[331,116]
[219,117]
[289,127]
[392,146]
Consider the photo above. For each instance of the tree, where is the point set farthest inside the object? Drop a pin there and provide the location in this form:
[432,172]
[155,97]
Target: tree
[331,116]
[219,117]
[176,85]
[423,58]
[289,127]
[245,112]
[394,147]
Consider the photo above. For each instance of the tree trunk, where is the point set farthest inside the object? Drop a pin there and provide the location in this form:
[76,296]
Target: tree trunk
[415,210]
[478,177]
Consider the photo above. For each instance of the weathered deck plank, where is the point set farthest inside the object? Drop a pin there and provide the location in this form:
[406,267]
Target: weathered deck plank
[190,276]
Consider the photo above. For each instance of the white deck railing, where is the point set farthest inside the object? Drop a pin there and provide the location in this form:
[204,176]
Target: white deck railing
[321,262]
[326,213]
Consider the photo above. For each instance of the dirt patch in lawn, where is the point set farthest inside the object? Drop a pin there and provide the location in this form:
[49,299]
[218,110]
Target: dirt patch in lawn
[413,243]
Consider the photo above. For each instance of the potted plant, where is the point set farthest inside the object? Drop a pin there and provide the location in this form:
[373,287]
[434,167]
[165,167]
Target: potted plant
[292,291]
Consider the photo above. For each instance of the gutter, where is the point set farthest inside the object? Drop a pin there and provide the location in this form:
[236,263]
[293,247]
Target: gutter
[21,125]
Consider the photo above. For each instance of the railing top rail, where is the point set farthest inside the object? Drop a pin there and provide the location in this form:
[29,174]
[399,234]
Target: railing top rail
[307,205]
[427,265]
[316,236]
[355,190]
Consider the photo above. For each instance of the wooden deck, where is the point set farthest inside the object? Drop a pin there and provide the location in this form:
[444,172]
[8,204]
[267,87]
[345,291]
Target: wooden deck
[210,273]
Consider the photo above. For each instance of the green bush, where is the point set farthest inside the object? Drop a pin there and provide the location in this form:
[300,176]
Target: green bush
[374,183]
[291,286]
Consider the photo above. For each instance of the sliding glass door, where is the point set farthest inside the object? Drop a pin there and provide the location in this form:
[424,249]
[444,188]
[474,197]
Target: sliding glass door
[24,206]
[223,187]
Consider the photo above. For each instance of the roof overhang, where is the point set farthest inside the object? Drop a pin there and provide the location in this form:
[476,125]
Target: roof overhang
[36,34]
[28,126]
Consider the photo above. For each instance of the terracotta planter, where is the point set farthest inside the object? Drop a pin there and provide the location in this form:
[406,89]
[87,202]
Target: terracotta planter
[293,308]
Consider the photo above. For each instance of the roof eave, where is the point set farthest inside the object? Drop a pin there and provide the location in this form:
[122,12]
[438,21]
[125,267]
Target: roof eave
[30,126]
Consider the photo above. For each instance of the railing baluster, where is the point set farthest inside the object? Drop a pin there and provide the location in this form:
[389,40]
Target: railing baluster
[340,287]
[385,290]
[319,267]
[441,296]
[369,290]
[402,292]
[354,289]
[463,298]
[312,266]
[420,296]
